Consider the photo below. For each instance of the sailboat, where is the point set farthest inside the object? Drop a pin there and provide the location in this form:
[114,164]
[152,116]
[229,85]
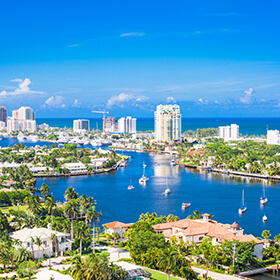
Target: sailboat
[167,191]
[143,179]
[130,187]
[243,208]
[264,218]
[263,199]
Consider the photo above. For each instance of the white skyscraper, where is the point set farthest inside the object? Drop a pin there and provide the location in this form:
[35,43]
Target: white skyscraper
[20,125]
[168,123]
[127,125]
[24,113]
[80,125]
[229,132]
[273,137]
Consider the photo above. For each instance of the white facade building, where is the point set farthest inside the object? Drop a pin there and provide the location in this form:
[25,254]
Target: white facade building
[75,167]
[273,137]
[111,125]
[20,125]
[80,125]
[24,113]
[229,132]
[48,248]
[127,125]
[168,123]
[2,125]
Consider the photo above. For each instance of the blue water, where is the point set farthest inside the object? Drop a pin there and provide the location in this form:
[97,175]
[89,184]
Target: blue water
[248,126]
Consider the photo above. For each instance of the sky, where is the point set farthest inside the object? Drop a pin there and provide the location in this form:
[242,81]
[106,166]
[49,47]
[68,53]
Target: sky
[68,58]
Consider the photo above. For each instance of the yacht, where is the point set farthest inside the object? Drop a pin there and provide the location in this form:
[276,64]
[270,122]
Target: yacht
[167,191]
[95,143]
[263,200]
[264,218]
[143,179]
[186,205]
[130,187]
[21,137]
[62,140]
[243,208]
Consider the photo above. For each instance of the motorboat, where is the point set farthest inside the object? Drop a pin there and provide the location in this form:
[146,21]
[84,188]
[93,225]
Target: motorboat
[21,137]
[122,163]
[243,208]
[167,191]
[264,218]
[186,205]
[130,187]
[173,162]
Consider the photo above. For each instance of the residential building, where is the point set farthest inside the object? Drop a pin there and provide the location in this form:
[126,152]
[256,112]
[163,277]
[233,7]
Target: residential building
[20,125]
[24,113]
[168,123]
[111,125]
[75,167]
[127,125]
[48,247]
[3,114]
[229,132]
[195,230]
[81,125]
[2,125]
[116,226]
[273,137]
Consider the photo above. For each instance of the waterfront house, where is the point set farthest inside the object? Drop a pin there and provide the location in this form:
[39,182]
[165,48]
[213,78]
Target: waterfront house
[195,230]
[75,167]
[48,247]
[116,226]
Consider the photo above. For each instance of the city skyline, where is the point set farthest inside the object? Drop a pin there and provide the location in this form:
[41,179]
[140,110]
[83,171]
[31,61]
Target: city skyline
[213,60]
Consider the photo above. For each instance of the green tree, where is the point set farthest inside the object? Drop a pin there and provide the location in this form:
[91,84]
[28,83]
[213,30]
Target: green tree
[82,231]
[27,269]
[266,234]
[70,194]
[167,259]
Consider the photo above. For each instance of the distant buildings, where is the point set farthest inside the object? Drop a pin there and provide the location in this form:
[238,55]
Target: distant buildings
[273,137]
[229,132]
[3,114]
[127,125]
[24,113]
[168,123]
[111,125]
[80,125]
[20,125]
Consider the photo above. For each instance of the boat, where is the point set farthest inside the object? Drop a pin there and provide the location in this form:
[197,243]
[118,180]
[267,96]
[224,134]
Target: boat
[186,205]
[143,179]
[33,138]
[263,200]
[130,187]
[21,137]
[243,208]
[167,191]
[173,162]
[264,218]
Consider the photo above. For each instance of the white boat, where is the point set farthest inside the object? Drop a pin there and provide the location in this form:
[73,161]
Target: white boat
[263,200]
[186,205]
[143,179]
[95,143]
[62,140]
[130,187]
[33,138]
[21,137]
[243,208]
[167,191]
[123,163]
[173,162]
[264,218]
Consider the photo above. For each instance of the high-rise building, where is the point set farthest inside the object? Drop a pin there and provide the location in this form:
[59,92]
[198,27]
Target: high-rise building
[24,113]
[168,123]
[20,125]
[127,125]
[3,114]
[229,132]
[273,137]
[80,125]
[111,125]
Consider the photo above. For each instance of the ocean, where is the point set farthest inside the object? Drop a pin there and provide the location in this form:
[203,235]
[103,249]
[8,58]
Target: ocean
[250,126]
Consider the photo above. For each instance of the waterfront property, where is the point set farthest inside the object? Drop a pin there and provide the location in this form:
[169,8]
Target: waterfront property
[48,247]
[117,227]
[196,230]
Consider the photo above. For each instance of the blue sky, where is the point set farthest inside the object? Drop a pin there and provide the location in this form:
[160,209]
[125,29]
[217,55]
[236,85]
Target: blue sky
[213,58]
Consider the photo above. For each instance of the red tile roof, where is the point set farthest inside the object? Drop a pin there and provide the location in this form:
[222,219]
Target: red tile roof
[117,224]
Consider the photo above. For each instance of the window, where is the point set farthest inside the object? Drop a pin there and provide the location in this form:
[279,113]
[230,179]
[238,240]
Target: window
[28,244]
[200,238]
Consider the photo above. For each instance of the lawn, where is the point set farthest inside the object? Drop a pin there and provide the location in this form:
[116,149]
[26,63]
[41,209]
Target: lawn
[159,276]
[20,207]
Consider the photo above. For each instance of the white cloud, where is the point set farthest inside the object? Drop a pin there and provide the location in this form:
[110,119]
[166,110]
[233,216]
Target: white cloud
[170,99]
[22,89]
[76,103]
[122,98]
[203,101]
[249,97]
[54,102]
[132,34]
[73,46]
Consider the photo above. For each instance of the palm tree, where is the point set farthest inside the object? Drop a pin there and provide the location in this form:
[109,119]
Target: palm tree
[50,204]
[115,237]
[97,229]
[38,242]
[54,242]
[33,240]
[77,268]
[71,209]
[22,254]
[81,232]
[70,194]
[195,215]
[45,190]
[92,216]
[167,259]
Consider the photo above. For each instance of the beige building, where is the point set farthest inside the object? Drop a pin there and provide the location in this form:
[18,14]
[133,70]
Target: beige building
[168,123]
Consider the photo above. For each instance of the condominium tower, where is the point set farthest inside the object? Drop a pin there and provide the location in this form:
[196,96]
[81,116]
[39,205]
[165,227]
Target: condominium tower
[168,123]
[3,114]
[127,125]
[229,132]
[80,125]
[24,113]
